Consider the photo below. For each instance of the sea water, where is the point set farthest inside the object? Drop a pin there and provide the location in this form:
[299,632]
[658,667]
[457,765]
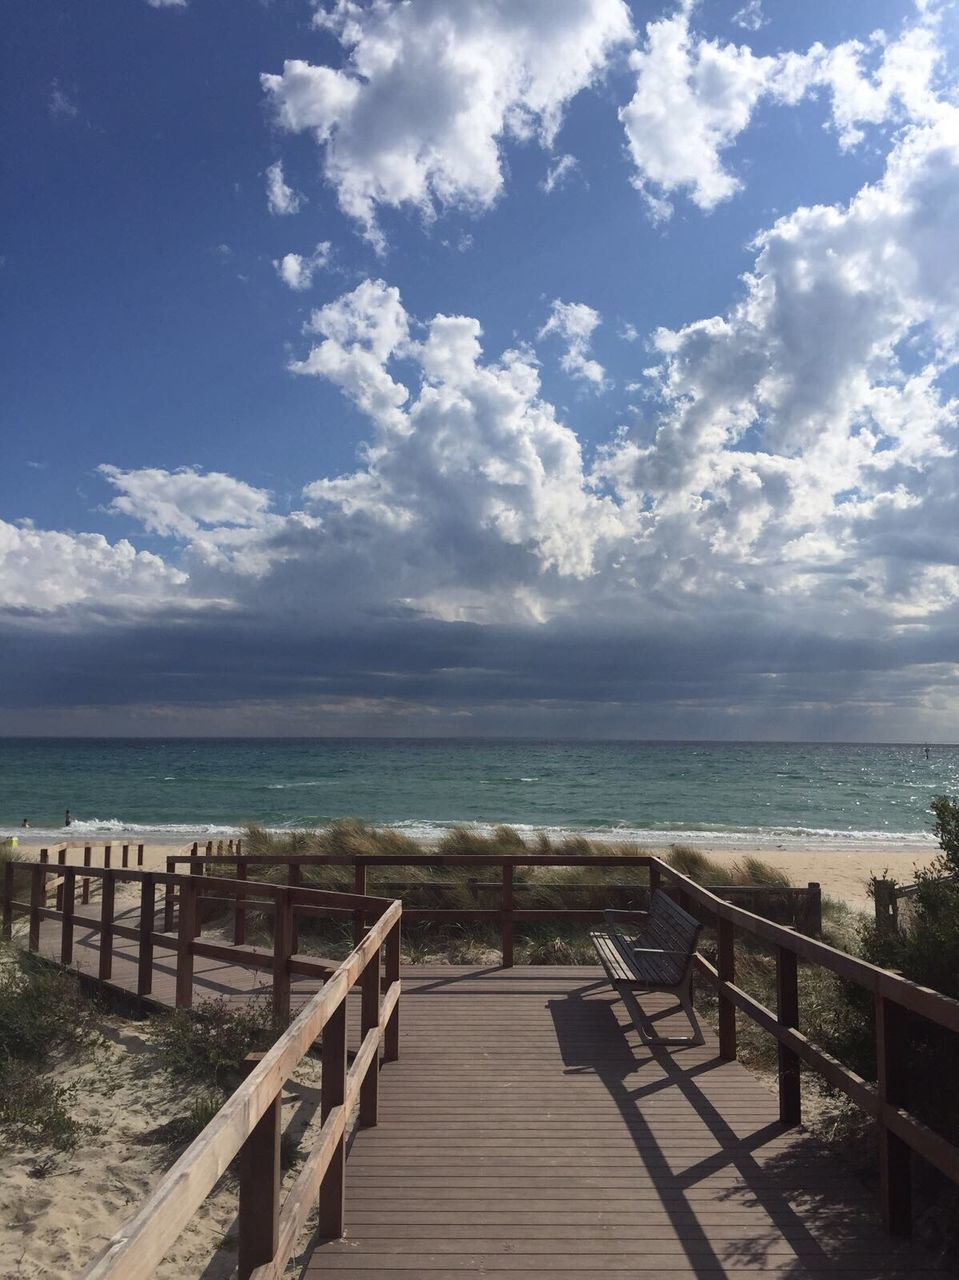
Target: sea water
[662,791]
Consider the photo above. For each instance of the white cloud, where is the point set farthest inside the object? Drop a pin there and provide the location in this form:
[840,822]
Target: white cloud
[430,90]
[750,17]
[695,96]
[297,270]
[574,323]
[281,198]
[179,503]
[559,173]
[43,571]
[808,391]
[61,105]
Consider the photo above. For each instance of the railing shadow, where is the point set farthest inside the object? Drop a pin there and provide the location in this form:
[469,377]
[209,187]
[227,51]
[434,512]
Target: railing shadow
[800,1194]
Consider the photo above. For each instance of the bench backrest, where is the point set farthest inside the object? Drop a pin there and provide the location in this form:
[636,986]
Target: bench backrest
[668,926]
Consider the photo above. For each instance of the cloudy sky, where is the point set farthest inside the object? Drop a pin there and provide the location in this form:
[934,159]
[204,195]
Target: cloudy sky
[522,367]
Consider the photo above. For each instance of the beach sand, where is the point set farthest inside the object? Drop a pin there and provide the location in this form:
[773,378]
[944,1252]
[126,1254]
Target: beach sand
[842,867]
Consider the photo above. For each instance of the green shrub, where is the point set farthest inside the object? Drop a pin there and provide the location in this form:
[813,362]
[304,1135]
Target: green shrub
[41,1009]
[208,1044]
[35,1110]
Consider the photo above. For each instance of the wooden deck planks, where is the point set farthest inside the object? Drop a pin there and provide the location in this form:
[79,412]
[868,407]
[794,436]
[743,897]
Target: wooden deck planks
[526,1130]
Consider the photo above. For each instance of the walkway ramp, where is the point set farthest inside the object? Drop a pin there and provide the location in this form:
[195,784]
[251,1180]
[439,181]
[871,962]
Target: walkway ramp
[526,1130]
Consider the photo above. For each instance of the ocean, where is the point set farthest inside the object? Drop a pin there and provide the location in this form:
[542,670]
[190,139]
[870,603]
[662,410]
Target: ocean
[718,792]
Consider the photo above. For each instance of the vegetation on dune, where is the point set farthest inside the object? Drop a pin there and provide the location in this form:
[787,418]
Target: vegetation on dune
[43,1013]
[207,1045]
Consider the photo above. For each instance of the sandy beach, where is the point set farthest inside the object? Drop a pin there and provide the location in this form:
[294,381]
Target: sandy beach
[842,867]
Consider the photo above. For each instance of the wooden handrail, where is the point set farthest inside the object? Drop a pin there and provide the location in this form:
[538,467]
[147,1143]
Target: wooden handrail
[894,997]
[139,1246]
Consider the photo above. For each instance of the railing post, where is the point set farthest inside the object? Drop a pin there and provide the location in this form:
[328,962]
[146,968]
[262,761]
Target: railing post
[369,1021]
[333,1094]
[506,918]
[68,899]
[8,891]
[197,869]
[239,910]
[294,878]
[105,970]
[391,1038]
[727,973]
[282,925]
[186,932]
[87,861]
[61,861]
[655,877]
[886,906]
[359,886]
[139,855]
[895,1182]
[147,919]
[259,1169]
[787,1010]
[125,856]
[38,876]
[814,917]
[168,897]
[107,854]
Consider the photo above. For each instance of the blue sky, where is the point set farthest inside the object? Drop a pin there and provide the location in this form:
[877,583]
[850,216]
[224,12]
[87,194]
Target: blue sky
[716,485]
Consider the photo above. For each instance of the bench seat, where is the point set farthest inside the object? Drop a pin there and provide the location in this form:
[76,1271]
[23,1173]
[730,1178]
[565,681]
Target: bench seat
[658,957]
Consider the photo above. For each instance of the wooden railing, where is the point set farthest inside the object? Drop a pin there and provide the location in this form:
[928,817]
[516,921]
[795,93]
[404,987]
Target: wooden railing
[249,1123]
[887,895]
[896,1001]
[802,906]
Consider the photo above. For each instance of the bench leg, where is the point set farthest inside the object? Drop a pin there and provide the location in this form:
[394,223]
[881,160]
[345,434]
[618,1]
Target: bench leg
[644,1025]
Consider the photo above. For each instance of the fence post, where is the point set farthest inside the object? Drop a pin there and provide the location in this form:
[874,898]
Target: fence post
[886,906]
[787,1011]
[895,1182]
[139,855]
[125,855]
[107,854]
[186,932]
[8,890]
[259,1215]
[197,869]
[168,897]
[506,918]
[282,922]
[87,861]
[105,971]
[359,886]
[239,910]
[68,898]
[44,857]
[812,917]
[38,875]
[655,877]
[61,861]
[726,965]
[294,878]
[391,1038]
[369,1021]
[333,1093]
[147,920]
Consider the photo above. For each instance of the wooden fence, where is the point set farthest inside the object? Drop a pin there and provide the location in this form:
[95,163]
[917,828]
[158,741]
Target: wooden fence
[799,907]
[887,895]
[897,1002]
[249,1123]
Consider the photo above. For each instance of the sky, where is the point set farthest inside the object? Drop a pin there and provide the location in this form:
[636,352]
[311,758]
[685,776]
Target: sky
[525,368]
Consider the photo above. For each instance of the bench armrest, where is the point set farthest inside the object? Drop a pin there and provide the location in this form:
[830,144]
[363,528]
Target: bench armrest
[610,914]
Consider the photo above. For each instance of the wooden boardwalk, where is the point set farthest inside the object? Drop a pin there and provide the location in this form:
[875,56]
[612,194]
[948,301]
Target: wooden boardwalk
[525,1129]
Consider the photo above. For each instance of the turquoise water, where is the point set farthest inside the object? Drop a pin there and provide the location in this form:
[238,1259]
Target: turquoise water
[194,787]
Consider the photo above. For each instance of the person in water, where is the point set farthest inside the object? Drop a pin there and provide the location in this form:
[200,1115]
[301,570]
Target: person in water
[66,818]
[24,823]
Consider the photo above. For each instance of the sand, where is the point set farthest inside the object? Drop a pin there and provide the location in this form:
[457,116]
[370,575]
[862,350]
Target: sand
[842,867]
[58,1209]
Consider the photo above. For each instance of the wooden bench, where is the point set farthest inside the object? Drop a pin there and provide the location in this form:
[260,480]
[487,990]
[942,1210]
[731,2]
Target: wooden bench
[659,957]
